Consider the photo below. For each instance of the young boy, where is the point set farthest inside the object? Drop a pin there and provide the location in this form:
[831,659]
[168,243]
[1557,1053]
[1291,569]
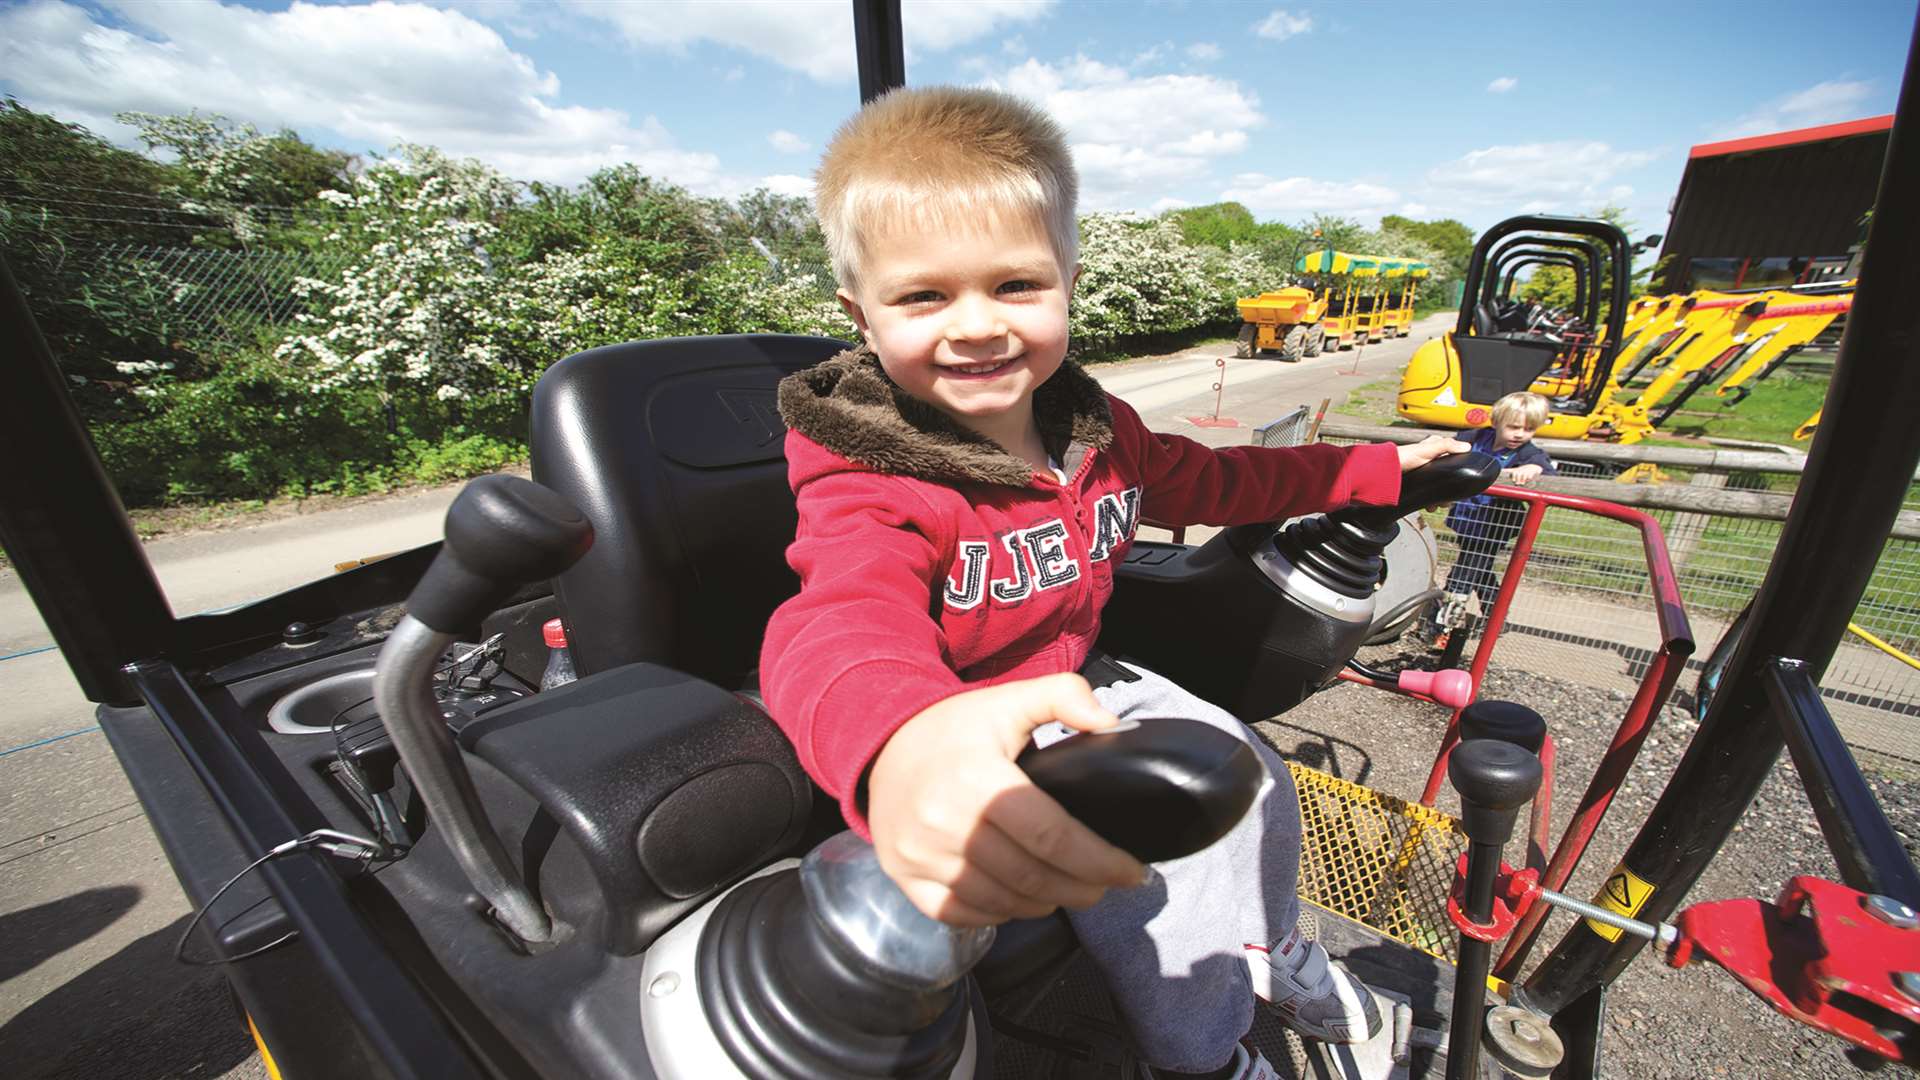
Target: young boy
[1482,523]
[964,494]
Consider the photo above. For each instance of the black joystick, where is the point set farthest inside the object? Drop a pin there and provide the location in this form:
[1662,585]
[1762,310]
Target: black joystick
[831,971]
[1345,550]
[1159,791]
[502,531]
[1455,476]
[1495,780]
[1507,721]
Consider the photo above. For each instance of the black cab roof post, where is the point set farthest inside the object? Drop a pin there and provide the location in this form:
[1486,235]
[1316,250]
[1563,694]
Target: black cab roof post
[62,522]
[876,42]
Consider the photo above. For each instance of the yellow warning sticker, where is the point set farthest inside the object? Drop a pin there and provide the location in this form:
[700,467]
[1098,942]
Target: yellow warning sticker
[1623,893]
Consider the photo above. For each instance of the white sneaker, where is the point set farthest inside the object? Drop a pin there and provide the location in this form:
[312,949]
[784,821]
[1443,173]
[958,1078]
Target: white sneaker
[1310,993]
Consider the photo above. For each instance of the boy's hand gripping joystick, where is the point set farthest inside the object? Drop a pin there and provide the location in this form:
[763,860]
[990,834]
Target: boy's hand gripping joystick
[833,971]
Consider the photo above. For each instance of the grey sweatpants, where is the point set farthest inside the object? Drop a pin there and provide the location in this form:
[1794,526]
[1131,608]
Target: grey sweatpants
[1171,950]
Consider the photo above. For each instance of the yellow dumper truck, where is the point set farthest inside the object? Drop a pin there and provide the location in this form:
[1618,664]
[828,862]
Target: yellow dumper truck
[1341,303]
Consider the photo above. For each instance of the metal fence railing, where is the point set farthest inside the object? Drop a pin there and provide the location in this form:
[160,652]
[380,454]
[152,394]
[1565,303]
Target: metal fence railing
[1581,613]
[1289,430]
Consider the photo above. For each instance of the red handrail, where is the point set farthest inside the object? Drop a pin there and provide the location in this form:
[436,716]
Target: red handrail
[1655,687]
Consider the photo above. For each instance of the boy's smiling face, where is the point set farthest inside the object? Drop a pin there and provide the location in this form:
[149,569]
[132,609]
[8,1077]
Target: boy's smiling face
[970,321]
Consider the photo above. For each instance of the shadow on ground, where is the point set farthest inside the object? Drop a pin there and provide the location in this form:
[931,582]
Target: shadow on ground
[35,934]
[138,1013]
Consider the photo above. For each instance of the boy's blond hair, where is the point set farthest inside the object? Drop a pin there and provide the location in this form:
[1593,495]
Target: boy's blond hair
[1530,409]
[941,157]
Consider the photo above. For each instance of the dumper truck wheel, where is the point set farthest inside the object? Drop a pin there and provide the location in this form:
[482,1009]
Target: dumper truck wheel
[1316,338]
[1294,345]
[1243,345]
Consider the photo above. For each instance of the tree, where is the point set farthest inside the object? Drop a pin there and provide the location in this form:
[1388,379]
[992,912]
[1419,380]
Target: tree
[1219,225]
[622,212]
[232,173]
[781,228]
[65,196]
[1334,231]
[1449,240]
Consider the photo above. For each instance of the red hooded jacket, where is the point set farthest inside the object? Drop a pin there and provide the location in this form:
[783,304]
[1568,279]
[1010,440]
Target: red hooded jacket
[932,561]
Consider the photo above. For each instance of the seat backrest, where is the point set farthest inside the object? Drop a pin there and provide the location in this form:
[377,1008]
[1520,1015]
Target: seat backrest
[1484,322]
[1493,367]
[674,450]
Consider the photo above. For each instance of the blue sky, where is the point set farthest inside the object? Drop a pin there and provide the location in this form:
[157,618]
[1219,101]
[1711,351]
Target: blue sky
[1461,109]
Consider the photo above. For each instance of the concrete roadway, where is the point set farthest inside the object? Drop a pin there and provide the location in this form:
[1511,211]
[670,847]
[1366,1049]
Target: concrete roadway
[89,909]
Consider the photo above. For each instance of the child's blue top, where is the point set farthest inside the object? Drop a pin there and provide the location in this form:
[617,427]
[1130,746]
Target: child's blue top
[1470,516]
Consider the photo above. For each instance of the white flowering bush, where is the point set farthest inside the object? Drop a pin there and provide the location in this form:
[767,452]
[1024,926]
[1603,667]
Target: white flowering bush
[1138,276]
[415,314]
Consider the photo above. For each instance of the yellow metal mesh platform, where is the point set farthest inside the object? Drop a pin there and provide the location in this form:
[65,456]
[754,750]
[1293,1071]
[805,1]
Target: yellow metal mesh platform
[1378,860]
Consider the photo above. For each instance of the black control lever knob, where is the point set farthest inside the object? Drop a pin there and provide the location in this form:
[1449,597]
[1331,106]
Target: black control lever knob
[1495,779]
[1455,476]
[1159,791]
[502,531]
[1507,721]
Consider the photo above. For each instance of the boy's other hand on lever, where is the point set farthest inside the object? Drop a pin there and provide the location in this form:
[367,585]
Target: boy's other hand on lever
[960,828]
[1414,455]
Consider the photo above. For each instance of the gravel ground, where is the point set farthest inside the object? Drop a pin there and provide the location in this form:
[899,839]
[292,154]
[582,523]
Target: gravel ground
[1662,1022]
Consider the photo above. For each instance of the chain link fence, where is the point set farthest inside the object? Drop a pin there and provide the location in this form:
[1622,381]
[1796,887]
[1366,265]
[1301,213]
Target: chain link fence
[1583,612]
[213,293]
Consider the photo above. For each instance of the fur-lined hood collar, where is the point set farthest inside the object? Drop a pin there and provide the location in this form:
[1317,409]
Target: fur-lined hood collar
[848,405]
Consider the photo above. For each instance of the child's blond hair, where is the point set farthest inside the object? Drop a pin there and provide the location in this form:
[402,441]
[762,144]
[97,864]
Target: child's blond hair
[1530,409]
[941,157]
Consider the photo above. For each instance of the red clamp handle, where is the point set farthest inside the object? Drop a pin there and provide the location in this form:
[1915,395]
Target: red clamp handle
[1818,954]
[1514,891]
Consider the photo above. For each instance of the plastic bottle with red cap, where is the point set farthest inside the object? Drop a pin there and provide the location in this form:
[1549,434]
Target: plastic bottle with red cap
[559,660]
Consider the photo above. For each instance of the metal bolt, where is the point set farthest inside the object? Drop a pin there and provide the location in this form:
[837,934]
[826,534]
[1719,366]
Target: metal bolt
[1909,983]
[1893,912]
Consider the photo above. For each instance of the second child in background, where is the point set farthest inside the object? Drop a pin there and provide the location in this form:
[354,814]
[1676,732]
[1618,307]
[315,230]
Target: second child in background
[1484,524]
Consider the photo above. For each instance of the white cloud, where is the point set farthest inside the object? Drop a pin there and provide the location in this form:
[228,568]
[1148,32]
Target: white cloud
[1283,24]
[1822,103]
[1153,55]
[788,184]
[1569,176]
[1297,196]
[518,17]
[788,143]
[1204,51]
[810,36]
[378,73]
[1413,209]
[1502,84]
[1134,136]
[1168,202]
